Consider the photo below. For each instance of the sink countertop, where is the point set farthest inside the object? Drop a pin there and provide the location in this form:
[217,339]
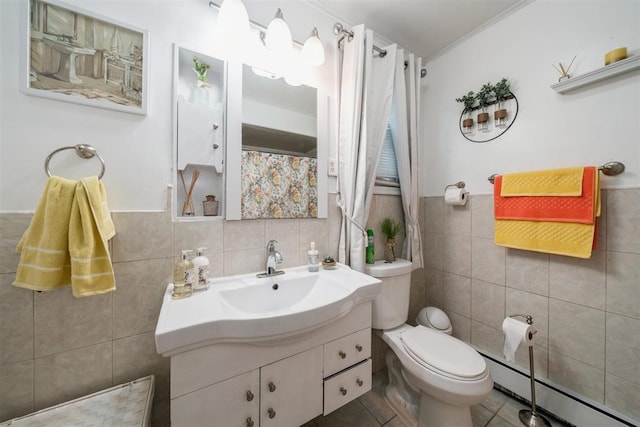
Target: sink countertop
[244,308]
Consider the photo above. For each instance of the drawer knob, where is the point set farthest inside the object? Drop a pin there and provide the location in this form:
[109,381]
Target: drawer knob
[342,354]
[249,422]
[343,391]
[272,413]
[359,382]
[358,347]
[249,396]
[272,386]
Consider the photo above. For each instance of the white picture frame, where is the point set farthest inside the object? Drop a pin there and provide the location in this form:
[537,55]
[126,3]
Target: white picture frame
[73,55]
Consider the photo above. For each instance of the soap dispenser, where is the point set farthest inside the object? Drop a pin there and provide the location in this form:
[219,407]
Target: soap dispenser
[183,277]
[201,270]
[313,259]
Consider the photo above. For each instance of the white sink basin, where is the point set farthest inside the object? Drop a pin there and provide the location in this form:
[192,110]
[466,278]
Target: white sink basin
[287,294]
[245,308]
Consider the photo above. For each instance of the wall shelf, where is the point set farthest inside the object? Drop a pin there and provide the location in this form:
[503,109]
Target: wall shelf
[606,72]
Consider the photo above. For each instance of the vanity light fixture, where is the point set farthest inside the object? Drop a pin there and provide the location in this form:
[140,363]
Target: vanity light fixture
[278,36]
[313,51]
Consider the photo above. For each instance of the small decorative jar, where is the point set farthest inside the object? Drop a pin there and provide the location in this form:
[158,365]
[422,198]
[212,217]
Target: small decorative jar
[483,120]
[390,250]
[467,124]
[500,115]
[210,206]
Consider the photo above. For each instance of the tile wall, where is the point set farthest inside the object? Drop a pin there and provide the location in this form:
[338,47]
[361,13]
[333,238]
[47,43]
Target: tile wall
[54,347]
[587,312]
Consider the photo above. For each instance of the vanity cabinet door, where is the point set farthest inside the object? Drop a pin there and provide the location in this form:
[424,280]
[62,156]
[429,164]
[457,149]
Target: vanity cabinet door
[230,403]
[291,390]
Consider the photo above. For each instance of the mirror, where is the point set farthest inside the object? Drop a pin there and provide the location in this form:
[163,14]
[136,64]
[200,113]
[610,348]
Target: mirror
[279,148]
[278,117]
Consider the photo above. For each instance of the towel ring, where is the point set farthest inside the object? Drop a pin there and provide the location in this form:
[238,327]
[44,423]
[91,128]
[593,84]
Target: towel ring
[84,151]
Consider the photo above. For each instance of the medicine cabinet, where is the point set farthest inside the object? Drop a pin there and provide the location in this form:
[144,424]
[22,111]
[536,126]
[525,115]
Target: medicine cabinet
[199,133]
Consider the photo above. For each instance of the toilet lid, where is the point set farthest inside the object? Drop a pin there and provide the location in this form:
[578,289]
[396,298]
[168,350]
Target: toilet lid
[443,353]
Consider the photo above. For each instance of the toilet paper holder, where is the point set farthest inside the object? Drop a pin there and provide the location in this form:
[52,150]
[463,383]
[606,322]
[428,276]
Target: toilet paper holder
[459,184]
[529,319]
[531,418]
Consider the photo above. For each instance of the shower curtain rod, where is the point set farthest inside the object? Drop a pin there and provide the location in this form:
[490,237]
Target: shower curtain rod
[338,29]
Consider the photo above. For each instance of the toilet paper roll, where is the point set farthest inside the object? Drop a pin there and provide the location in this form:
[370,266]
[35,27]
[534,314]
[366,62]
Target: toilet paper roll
[455,196]
[515,332]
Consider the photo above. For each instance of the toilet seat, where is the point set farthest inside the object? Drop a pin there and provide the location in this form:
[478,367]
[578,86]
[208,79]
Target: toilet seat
[443,354]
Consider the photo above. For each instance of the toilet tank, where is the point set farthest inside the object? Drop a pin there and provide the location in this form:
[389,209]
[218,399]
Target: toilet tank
[391,307]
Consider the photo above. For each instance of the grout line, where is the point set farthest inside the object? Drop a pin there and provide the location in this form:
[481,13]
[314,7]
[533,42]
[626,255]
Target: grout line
[368,411]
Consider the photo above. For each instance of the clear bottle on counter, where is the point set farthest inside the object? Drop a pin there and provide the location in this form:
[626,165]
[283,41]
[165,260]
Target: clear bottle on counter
[183,277]
[313,261]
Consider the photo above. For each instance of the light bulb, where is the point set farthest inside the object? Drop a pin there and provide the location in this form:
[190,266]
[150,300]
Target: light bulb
[278,37]
[297,70]
[233,18]
[313,51]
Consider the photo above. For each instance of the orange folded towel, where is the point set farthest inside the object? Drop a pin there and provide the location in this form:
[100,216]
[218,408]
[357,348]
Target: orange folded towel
[579,209]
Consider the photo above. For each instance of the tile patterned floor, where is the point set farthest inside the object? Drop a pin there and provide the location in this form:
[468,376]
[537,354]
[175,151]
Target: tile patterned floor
[371,410]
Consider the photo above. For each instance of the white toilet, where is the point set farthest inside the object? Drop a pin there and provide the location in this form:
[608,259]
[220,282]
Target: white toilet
[433,377]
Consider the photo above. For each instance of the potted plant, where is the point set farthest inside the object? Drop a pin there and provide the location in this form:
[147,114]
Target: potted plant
[201,91]
[201,69]
[483,96]
[501,91]
[390,228]
[468,101]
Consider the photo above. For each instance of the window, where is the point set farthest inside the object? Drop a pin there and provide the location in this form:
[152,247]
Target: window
[387,174]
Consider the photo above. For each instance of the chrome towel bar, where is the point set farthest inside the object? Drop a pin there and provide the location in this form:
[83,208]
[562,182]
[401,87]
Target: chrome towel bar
[610,169]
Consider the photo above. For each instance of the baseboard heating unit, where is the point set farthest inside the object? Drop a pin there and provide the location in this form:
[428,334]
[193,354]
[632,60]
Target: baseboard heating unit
[553,399]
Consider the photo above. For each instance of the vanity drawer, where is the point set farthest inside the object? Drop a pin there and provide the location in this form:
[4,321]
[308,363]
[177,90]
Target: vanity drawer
[346,386]
[346,351]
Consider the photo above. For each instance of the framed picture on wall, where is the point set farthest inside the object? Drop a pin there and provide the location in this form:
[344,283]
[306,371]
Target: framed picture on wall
[73,55]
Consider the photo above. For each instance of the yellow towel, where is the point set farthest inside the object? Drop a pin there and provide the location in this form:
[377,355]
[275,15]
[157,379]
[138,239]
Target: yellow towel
[90,228]
[44,256]
[551,182]
[560,238]
[66,242]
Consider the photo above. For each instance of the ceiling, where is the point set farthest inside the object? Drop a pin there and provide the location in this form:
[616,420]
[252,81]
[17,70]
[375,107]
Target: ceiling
[424,27]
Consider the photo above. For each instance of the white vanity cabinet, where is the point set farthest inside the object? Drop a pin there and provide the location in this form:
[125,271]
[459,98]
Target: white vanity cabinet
[234,402]
[283,383]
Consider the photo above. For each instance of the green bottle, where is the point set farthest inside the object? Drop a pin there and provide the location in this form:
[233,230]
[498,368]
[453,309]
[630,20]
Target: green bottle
[371,256]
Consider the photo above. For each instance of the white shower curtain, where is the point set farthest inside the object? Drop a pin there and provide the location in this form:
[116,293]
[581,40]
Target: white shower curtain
[405,131]
[366,88]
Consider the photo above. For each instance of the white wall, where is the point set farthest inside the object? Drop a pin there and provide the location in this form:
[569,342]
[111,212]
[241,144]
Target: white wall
[261,114]
[594,125]
[137,149]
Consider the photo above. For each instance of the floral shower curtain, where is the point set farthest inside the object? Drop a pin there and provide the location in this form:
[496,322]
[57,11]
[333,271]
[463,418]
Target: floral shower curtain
[278,186]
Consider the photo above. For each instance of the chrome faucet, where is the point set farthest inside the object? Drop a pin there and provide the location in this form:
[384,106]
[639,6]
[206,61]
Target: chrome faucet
[273,259]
